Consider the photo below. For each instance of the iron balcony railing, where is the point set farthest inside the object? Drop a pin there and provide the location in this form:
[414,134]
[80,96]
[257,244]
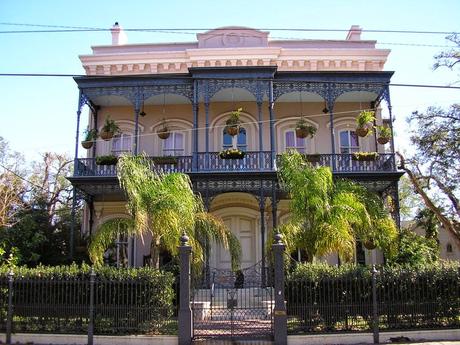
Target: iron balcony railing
[255,161]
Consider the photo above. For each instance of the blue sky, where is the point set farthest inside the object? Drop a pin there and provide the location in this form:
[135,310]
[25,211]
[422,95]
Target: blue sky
[38,114]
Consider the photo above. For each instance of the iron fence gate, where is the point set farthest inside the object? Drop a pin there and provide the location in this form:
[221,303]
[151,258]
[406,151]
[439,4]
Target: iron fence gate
[233,304]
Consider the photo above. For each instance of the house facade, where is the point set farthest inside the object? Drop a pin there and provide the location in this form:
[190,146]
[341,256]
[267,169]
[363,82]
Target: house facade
[191,88]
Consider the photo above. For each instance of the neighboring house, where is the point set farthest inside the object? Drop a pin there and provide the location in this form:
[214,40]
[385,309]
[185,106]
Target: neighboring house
[193,86]
[449,248]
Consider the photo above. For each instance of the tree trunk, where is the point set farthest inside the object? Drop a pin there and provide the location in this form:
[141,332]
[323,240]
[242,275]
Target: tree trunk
[155,253]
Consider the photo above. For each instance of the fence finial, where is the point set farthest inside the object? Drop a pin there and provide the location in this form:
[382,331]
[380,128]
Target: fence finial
[278,238]
[184,239]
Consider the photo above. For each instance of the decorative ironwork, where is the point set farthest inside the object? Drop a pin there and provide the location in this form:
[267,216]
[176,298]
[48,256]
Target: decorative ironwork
[209,87]
[281,88]
[233,304]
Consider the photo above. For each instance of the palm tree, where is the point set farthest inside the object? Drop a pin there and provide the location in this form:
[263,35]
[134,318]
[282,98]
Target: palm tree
[165,206]
[330,216]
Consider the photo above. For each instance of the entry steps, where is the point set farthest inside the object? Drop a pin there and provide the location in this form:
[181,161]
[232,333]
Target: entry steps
[233,304]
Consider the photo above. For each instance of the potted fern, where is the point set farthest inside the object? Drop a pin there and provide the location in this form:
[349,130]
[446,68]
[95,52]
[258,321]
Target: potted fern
[109,129]
[233,122]
[90,135]
[383,134]
[303,129]
[364,123]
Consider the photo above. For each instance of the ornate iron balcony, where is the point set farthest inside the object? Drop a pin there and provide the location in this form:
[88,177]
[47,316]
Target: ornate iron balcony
[252,162]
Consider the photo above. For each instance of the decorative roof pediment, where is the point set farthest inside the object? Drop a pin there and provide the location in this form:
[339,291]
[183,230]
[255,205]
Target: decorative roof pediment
[233,36]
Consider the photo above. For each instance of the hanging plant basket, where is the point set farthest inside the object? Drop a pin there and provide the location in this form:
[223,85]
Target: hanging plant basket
[232,154]
[87,144]
[362,131]
[369,245]
[164,133]
[232,130]
[301,133]
[105,135]
[303,129]
[383,140]
[365,156]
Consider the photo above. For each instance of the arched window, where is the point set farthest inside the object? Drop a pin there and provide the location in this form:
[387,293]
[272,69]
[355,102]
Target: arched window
[174,145]
[292,142]
[348,142]
[241,142]
[122,143]
[449,248]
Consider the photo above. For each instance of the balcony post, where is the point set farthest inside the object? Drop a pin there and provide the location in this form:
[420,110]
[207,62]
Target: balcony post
[390,112]
[330,107]
[81,101]
[137,109]
[271,104]
[206,156]
[261,135]
[195,110]
[262,233]
[95,118]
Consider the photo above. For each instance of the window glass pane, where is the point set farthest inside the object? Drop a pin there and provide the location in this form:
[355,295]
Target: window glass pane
[344,139]
[300,142]
[178,141]
[354,139]
[126,142]
[290,139]
[168,143]
[227,139]
[116,144]
[242,137]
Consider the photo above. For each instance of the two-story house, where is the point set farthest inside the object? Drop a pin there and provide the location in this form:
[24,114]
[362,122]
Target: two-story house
[192,87]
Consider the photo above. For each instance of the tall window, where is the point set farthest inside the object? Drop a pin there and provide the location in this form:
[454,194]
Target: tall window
[240,140]
[348,142]
[122,143]
[174,145]
[292,142]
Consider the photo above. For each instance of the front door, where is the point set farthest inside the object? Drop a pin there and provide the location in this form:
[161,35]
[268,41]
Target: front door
[244,228]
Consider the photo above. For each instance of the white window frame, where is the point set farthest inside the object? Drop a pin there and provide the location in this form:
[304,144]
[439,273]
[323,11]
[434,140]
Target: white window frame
[304,148]
[121,137]
[175,151]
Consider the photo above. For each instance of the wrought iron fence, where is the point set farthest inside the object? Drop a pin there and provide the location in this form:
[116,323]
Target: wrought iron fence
[403,300]
[88,305]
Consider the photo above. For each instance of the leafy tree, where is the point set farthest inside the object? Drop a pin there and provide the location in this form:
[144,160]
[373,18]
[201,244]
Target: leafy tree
[434,168]
[451,57]
[426,219]
[35,203]
[329,216]
[12,186]
[414,250]
[165,206]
